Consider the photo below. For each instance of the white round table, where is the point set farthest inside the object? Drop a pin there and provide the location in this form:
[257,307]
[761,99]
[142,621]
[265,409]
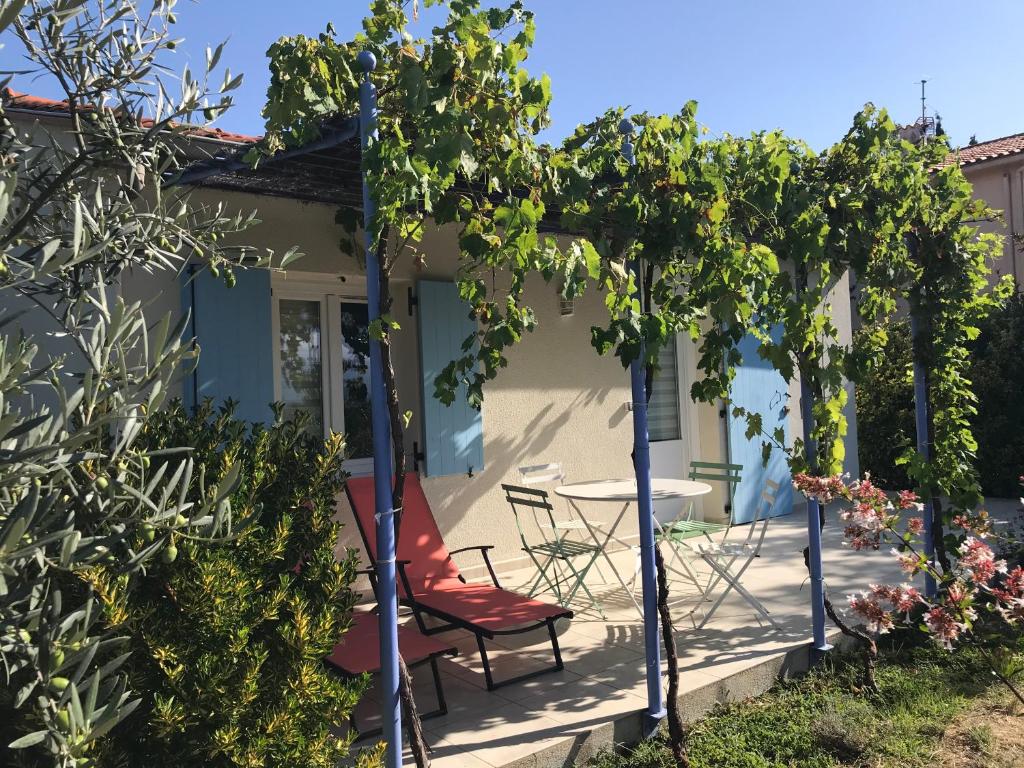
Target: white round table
[624,492]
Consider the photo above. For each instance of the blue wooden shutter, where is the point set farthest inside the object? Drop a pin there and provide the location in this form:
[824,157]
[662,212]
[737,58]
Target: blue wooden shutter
[759,388]
[234,330]
[453,435]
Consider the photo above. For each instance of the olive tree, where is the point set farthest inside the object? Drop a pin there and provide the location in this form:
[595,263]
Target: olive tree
[82,204]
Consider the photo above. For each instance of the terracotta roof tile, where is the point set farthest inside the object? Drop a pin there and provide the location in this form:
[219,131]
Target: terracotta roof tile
[32,103]
[987,150]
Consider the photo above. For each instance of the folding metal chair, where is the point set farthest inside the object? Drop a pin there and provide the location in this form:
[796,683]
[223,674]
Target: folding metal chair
[539,474]
[685,527]
[730,560]
[556,555]
[676,533]
[572,525]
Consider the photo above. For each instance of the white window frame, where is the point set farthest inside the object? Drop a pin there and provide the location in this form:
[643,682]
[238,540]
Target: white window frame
[330,294]
[680,405]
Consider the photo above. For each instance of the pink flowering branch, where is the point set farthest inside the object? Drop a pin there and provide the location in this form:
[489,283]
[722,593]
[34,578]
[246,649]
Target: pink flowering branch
[976,580]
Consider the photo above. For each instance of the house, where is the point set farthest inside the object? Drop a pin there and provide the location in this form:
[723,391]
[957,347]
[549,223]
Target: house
[300,337]
[995,169]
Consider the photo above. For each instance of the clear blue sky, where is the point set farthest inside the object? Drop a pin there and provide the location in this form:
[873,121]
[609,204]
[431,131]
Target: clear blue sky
[802,65]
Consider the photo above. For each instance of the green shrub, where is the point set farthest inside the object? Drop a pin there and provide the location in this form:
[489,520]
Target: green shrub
[228,637]
[885,405]
[997,372]
[885,411]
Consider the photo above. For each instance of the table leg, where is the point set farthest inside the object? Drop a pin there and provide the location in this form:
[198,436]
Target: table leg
[603,545]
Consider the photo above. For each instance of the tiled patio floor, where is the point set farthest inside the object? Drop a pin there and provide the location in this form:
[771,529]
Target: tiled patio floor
[556,719]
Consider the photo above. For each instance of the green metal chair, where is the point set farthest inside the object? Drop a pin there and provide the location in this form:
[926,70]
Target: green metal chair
[686,527]
[676,533]
[569,526]
[555,555]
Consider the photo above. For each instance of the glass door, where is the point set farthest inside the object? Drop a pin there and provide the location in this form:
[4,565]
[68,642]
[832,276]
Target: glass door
[322,358]
[301,366]
[351,370]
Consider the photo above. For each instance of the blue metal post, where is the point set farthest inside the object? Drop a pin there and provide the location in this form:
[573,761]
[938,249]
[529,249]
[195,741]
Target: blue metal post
[645,503]
[813,527]
[387,593]
[923,447]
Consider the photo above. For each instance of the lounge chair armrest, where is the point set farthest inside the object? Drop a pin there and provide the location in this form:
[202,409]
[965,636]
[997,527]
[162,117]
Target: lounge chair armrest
[483,548]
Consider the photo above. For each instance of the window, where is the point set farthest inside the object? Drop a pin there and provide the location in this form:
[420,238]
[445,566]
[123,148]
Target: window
[663,412]
[301,370]
[323,366]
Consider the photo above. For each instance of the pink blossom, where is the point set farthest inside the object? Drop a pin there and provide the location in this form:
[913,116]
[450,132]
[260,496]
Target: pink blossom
[1010,597]
[823,489]
[909,599]
[943,626]
[866,524]
[978,560]
[859,538]
[915,526]
[906,500]
[1014,583]
[867,606]
[1012,610]
[958,592]
[903,599]
[867,493]
[910,563]
[979,524]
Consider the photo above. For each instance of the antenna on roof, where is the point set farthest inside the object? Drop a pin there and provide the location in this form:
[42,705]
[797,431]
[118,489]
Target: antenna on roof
[925,126]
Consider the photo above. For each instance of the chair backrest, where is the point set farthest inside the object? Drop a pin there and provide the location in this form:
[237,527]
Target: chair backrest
[718,472]
[762,514]
[535,474]
[532,501]
[419,540]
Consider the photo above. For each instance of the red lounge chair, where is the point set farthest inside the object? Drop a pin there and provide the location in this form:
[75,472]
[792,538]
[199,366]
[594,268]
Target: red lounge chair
[431,583]
[359,653]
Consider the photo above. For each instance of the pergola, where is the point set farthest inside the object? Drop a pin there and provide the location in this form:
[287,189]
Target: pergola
[329,171]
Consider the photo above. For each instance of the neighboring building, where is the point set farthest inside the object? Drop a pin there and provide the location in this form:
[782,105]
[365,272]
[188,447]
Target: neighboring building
[996,171]
[300,337]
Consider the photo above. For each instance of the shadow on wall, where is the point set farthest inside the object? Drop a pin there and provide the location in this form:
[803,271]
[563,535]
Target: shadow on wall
[557,401]
[454,498]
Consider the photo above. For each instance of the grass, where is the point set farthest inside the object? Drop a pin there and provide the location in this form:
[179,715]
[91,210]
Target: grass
[824,721]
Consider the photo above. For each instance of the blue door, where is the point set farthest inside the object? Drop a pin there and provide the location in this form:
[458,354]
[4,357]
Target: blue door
[758,388]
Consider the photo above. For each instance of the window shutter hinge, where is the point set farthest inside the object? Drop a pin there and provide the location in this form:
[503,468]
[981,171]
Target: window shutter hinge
[413,301]
[417,456]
